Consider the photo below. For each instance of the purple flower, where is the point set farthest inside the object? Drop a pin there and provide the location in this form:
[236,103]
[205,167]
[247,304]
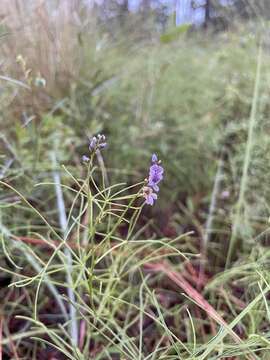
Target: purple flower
[102,145]
[149,195]
[95,143]
[155,176]
[85,158]
[154,159]
[155,173]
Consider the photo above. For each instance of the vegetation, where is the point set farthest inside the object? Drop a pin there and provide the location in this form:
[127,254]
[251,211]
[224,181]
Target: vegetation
[88,270]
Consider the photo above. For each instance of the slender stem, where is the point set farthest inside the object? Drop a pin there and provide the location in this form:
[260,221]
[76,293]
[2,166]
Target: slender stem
[244,179]
[211,214]
[74,332]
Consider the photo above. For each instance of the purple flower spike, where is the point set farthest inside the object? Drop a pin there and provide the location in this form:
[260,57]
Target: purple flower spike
[97,142]
[155,176]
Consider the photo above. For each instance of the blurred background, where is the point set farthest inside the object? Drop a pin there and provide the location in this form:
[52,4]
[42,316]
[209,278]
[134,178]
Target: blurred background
[174,77]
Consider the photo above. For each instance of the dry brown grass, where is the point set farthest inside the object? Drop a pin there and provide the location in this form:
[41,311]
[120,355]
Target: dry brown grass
[48,39]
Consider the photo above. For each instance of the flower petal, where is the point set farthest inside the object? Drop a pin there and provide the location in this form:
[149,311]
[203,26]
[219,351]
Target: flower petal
[149,200]
[154,158]
[155,188]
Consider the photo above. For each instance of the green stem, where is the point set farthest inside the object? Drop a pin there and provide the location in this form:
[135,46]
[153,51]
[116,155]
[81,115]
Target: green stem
[244,179]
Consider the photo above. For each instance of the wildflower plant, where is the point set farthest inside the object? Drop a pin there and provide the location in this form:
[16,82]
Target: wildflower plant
[98,252]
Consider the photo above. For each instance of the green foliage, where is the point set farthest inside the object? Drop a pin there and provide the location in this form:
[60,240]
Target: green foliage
[174,34]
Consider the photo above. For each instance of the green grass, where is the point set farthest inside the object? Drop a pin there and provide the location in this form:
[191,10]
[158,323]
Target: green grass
[87,271]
